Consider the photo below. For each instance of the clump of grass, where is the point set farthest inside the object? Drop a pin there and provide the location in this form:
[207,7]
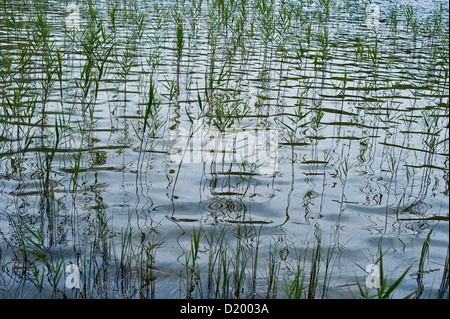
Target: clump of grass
[127,61]
[150,243]
[97,46]
[314,271]
[305,283]
[227,267]
[224,115]
[294,289]
[152,120]
[40,265]
[297,127]
[266,27]
[179,35]
[384,291]
[424,255]
[273,271]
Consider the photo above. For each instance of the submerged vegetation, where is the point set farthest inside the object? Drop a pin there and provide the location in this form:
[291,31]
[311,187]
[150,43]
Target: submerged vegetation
[102,170]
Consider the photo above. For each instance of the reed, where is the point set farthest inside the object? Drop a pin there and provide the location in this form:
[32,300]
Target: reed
[272,271]
[295,288]
[325,7]
[37,257]
[240,260]
[127,61]
[215,244]
[424,255]
[393,18]
[409,15]
[192,267]
[314,271]
[112,13]
[41,38]
[443,288]
[124,262]
[224,115]
[267,20]
[152,120]
[254,257]
[297,125]
[150,243]
[341,91]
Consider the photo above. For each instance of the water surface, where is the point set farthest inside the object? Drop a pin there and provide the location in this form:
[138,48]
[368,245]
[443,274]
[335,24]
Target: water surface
[97,167]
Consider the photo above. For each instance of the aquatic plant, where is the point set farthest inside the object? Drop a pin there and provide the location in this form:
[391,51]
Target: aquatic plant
[362,116]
